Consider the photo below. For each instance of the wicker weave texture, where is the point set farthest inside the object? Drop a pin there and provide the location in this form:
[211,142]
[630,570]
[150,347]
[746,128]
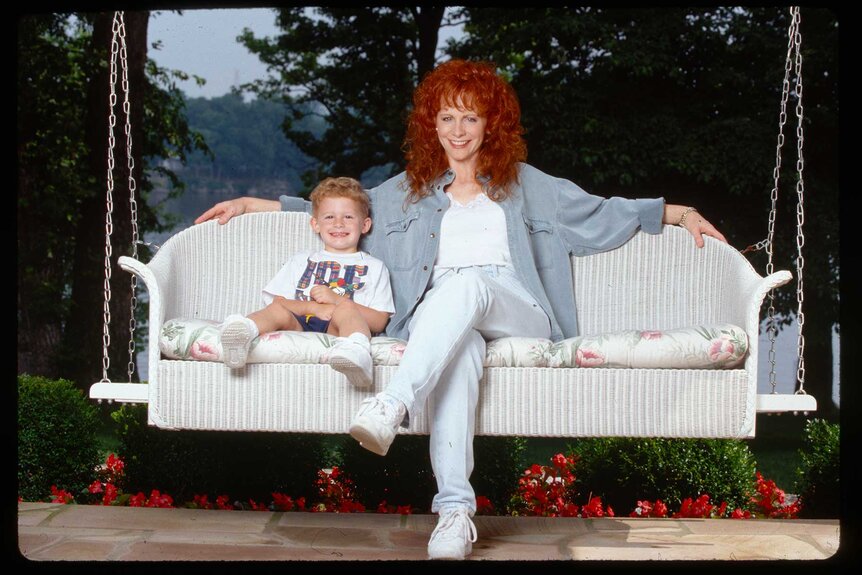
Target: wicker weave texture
[652,282]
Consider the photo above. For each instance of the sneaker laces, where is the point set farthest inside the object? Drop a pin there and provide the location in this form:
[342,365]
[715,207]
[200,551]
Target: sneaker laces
[454,524]
[376,407]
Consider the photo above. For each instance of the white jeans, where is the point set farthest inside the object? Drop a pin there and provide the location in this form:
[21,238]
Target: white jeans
[444,357]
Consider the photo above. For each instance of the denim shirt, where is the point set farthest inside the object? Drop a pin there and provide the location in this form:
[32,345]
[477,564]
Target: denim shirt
[548,219]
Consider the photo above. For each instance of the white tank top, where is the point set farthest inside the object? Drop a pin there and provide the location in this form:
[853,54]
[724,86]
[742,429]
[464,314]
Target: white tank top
[473,234]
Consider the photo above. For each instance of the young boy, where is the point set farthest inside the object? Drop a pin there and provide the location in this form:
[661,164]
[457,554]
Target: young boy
[339,290]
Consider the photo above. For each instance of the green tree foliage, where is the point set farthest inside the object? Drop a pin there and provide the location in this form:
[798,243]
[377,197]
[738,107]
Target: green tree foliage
[353,69]
[245,140]
[62,115]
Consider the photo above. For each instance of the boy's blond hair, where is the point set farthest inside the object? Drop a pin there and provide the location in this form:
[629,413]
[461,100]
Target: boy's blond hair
[340,188]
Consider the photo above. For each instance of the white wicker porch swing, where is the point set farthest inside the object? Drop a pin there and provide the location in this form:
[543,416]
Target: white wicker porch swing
[661,283]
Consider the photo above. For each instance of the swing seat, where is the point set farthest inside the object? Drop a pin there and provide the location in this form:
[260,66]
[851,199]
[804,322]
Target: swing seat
[658,284]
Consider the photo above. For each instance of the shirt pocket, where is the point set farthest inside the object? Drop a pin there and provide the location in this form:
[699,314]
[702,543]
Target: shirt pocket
[403,241]
[542,243]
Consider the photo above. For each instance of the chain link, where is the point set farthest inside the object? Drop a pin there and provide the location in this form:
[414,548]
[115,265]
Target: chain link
[800,210]
[116,28]
[118,52]
[793,63]
[771,327]
[133,204]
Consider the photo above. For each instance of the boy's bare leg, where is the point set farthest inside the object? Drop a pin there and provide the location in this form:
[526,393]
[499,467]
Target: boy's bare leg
[278,316]
[351,354]
[237,332]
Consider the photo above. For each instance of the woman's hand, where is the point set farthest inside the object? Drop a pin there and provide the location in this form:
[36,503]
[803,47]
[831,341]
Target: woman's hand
[322,294]
[224,211]
[698,226]
[691,220]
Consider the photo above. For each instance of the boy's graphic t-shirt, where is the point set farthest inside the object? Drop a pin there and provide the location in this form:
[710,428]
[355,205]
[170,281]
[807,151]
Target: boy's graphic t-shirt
[359,276]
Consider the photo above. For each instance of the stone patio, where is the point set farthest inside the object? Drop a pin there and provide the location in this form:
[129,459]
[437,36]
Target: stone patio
[56,532]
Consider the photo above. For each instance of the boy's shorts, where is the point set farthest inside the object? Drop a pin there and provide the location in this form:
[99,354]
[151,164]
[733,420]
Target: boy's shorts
[312,323]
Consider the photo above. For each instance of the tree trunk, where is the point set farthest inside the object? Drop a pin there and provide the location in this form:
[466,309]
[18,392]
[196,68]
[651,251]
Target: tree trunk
[428,19]
[85,328]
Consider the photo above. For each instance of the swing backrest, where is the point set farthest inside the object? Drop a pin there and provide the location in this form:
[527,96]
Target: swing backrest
[652,282]
[662,282]
[221,269]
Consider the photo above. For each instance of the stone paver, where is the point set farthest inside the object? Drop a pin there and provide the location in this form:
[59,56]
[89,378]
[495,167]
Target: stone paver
[53,532]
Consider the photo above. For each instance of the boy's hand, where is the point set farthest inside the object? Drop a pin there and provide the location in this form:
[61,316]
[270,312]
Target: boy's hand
[323,310]
[322,294]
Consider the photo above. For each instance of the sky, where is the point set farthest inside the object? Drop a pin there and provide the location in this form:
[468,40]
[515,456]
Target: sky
[203,43]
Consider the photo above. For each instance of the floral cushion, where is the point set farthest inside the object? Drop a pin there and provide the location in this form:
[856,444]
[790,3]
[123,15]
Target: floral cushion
[701,347]
[198,340]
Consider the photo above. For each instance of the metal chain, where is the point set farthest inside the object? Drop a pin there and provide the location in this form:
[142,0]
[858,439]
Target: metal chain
[118,48]
[771,327]
[109,198]
[800,211]
[133,302]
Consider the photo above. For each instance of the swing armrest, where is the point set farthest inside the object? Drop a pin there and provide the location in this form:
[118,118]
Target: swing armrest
[156,289]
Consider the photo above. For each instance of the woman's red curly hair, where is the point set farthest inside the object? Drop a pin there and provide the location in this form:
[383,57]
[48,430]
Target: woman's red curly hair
[477,86]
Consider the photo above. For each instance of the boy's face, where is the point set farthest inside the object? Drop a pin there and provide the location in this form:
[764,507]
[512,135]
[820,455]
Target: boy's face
[340,223]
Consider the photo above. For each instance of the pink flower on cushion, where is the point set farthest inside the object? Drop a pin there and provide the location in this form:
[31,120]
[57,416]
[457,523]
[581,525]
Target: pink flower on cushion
[203,351]
[589,358]
[272,335]
[397,349]
[721,349]
[651,334]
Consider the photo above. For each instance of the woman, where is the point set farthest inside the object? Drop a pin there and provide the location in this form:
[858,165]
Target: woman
[478,246]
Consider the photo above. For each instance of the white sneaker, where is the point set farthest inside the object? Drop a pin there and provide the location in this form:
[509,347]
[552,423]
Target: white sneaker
[235,336]
[353,360]
[454,535]
[376,424]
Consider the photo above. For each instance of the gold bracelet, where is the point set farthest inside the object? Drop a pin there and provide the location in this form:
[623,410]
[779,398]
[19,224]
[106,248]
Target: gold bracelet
[684,215]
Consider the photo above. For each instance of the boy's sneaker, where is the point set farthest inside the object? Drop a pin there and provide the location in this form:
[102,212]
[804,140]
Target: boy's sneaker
[353,360]
[376,424]
[236,335]
[454,535]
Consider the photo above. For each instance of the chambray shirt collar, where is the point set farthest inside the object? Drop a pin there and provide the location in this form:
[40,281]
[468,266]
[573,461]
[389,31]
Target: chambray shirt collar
[448,177]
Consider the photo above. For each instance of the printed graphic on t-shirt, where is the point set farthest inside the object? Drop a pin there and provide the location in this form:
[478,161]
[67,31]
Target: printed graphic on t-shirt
[342,279]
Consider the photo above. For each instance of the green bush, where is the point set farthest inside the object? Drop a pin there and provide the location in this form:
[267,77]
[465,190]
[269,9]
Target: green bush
[404,476]
[56,438]
[241,464]
[625,470]
[817,482]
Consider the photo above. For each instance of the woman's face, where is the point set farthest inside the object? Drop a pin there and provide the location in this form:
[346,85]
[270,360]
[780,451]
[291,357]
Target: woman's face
[461,132]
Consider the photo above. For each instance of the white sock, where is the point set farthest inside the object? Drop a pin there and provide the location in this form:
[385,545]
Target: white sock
[247,320]
[360,338]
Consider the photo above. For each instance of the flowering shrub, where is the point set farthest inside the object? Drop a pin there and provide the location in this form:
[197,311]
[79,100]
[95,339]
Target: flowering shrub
[336,493]
[548,491]
[484,506]
[770,500]
[543,490]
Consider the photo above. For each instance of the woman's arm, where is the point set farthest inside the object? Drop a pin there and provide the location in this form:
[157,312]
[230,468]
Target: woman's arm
[692,221]
[224,211]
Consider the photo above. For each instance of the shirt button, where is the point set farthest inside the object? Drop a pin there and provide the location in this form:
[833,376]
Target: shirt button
[433,235]
[439,209]
[425,268]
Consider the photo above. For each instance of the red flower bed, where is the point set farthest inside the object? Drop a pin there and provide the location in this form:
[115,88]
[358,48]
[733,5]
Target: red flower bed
[543,490]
